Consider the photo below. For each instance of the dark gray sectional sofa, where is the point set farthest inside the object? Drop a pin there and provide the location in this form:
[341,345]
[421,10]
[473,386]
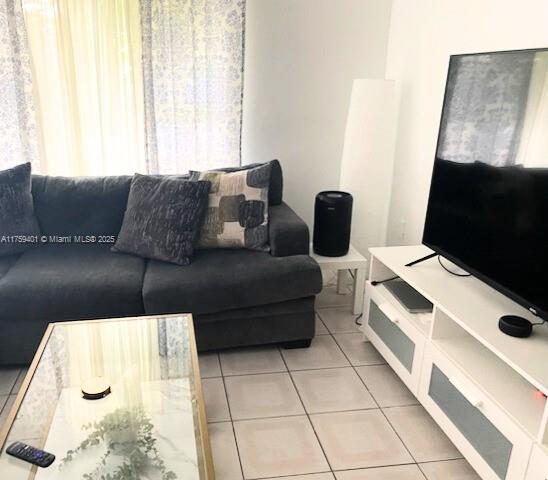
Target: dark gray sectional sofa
[237,297]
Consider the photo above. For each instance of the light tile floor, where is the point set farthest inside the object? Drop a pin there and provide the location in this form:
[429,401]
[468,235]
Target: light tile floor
[334,411]
[10,382]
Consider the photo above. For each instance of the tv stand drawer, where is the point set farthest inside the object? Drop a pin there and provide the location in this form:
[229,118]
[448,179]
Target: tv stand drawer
[398,341]
[493,444]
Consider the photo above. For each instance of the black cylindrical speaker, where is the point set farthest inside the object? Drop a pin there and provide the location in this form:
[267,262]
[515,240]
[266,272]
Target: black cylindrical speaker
[332,219]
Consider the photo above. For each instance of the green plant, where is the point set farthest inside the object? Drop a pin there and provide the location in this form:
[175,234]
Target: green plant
[126,431]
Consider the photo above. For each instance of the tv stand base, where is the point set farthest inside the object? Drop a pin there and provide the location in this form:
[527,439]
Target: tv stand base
[486,390]
[427,257]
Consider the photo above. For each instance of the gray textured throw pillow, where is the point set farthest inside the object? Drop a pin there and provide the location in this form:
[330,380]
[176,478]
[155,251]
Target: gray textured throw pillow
[237,215]
[19,228]
[163,218]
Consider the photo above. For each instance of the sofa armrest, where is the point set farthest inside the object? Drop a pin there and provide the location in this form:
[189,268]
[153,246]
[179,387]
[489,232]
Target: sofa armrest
[288,232]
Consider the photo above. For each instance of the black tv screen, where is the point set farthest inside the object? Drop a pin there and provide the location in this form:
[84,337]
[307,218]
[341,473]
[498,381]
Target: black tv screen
[488,205]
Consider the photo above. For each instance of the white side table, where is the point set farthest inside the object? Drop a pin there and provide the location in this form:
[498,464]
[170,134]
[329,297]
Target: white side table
[353,260]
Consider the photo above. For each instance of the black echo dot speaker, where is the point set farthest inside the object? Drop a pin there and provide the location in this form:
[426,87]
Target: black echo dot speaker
[332,220]
[515,326]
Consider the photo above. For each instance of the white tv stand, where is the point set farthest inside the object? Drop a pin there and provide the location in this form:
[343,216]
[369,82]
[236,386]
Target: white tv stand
[486,390]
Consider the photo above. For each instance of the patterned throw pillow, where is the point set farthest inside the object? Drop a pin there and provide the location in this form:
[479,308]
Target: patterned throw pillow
[163,218]
[237,215]
[19,226]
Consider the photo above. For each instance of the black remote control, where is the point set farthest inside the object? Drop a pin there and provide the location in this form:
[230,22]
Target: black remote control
[30,454]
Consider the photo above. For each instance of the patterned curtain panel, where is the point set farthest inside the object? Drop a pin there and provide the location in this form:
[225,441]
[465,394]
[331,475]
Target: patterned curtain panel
[485,108]
[18,142]
[193,79]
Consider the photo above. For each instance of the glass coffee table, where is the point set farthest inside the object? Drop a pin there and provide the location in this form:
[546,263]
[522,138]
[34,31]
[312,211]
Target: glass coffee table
[152,425]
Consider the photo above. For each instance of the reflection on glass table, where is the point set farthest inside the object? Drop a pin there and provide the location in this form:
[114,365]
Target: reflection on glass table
[151,426]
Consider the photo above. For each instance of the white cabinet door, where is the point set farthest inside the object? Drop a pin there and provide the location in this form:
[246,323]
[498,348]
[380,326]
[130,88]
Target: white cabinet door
[493,444]
[394,336]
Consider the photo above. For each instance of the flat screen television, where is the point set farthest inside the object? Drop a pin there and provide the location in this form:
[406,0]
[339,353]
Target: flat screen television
[488,204]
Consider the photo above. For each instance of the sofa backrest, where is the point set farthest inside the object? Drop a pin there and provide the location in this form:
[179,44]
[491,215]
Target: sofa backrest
[80,205]
[96,205]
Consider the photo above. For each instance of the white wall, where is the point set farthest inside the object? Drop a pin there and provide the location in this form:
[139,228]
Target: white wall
[423,34]
[301,57]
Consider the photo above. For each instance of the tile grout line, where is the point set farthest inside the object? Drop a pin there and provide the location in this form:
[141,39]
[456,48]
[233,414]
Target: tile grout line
[441,461]
[375,400]
[321,321]
[422,471]
[334,472]
[338,333]
[396,432]
[307,414]
[334,307]
[348,410]
[291,476]
[254,373]
[250,419]
[296,415]
[21,373]
[9,390]
[380,467]
[3,404]
[231,419]
[299,369]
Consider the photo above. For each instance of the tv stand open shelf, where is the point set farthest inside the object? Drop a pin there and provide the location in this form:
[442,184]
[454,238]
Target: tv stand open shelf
[485,389]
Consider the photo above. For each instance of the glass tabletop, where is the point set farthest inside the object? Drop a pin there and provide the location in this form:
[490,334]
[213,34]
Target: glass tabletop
[151,426]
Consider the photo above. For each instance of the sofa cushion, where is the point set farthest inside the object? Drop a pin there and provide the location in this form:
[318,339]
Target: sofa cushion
[223,279]
[19,227]
[6,263]
[67,282]
[237,215]
[80,205]
[163,218]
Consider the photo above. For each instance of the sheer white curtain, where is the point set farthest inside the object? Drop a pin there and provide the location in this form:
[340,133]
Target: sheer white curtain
[533,147]
[86,57]
[111,98]
[193,79]
[114,350]
[485,107]
[18,141]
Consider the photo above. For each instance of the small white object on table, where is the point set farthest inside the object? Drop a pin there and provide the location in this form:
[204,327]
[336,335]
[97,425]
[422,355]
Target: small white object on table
[353,260]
